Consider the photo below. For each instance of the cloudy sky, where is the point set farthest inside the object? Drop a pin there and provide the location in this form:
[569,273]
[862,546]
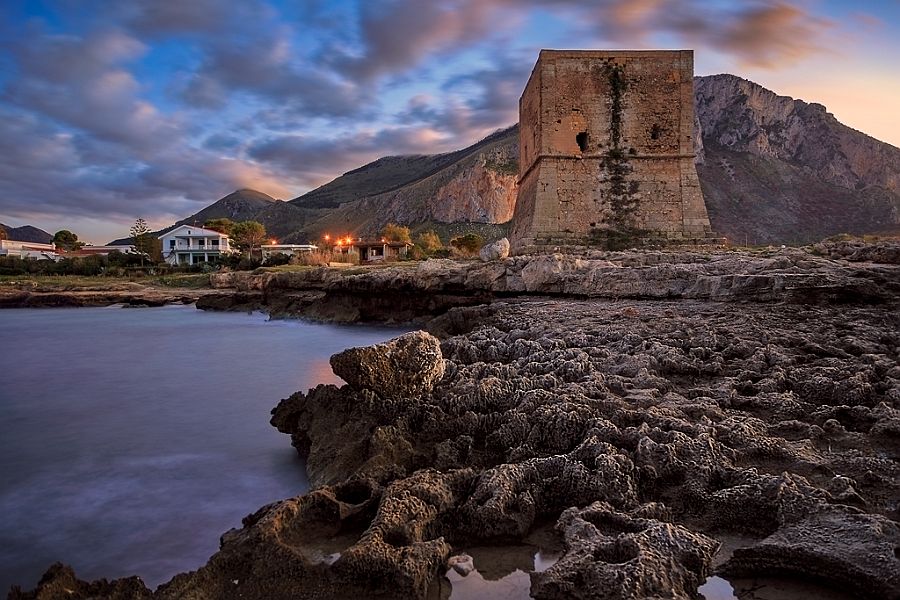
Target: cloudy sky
[114,109]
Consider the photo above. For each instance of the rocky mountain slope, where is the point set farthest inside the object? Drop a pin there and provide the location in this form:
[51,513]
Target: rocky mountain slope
[27,233]
[476,185]
[773,170]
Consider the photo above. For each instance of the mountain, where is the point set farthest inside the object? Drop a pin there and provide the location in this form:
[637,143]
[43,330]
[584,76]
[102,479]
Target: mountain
[774,169]
[241,205]
[280,218]
[475,185]
[27,233]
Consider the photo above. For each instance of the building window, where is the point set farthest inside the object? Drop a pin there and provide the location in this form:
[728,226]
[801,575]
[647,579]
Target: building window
[201,242]
[215,242]
[171,244]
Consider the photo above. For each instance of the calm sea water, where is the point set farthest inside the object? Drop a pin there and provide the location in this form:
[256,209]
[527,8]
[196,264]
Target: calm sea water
[133,438]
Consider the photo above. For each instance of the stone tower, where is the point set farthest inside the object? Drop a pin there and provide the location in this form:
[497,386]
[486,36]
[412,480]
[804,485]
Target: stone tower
[606,151]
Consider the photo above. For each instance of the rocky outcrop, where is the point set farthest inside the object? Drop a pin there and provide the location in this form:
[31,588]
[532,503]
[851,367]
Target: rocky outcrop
[495,250]
[657,417]
[406,366]
[136,295]
[836,544]
[612,555]
[647,431]
[420,291]
[484,193]
[60,582]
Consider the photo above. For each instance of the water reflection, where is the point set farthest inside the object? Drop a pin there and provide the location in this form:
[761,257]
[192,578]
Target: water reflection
[503,572]
[134,438]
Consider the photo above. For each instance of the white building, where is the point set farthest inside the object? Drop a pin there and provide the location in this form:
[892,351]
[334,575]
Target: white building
[28,250]
[189,245]
[289,249]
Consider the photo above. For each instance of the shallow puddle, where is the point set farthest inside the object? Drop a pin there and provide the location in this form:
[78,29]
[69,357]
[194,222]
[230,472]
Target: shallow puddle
[501,572]
[768,588]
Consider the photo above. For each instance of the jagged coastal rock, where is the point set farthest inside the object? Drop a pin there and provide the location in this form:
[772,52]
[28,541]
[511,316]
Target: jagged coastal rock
[658,438]
[406,366]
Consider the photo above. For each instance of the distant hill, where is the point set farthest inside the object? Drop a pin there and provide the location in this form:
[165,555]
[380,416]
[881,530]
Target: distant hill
[773,170]
[27,233]
[475,185]
[240,205]
[280,218]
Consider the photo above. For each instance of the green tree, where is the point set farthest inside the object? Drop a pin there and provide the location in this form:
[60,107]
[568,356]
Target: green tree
[141,238]
[221,225]
[66,240]
[248,234]
[396,233]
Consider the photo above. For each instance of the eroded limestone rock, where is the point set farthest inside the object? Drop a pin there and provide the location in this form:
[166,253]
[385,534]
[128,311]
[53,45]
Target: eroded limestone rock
[683,420]
[613,555]
[858,552]
[405,366]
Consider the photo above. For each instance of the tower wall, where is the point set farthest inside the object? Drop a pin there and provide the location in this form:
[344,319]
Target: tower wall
[606,150]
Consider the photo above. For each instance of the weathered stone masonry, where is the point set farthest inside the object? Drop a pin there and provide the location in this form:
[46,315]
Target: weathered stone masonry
[606,150]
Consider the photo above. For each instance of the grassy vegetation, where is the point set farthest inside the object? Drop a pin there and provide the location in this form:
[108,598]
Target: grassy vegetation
[69,283]
[491,232]
[181,280]
[504,168]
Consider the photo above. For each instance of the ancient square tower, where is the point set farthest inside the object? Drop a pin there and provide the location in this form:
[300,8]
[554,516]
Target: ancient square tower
[606,151]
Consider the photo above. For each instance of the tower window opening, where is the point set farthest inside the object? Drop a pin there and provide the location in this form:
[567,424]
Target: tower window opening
[582,140]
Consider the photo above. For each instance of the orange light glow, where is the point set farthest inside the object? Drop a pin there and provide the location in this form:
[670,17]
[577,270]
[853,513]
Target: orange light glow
[340,242]
[327,237]
[273,242]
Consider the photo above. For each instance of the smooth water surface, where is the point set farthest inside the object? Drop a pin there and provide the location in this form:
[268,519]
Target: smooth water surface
[133,438]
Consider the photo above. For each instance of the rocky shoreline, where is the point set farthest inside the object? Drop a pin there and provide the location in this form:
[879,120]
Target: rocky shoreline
[656,434]
[125,294]
[418,292]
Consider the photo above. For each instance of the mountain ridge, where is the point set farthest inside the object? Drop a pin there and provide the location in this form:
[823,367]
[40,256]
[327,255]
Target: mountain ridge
[28,233]
[773,169]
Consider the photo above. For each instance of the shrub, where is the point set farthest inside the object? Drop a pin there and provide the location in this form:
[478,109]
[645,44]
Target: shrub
[312,259]
[277,259]
[467,244]
[396,233]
